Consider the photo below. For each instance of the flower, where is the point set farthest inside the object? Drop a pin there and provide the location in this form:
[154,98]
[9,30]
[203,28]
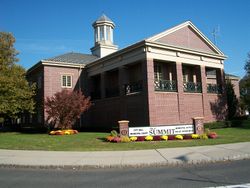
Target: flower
[125,139]
[109,138]
[140,138]
[179,137]
[149,138]
[195,136]
[133,138]
[66,132]
[212,135]
[164,137]
[116,139]
[157,138]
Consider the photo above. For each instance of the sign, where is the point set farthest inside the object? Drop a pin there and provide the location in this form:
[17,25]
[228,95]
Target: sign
[161,130]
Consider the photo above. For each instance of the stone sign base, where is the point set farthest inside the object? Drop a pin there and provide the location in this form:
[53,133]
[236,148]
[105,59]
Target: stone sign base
[123,127]
[198,125]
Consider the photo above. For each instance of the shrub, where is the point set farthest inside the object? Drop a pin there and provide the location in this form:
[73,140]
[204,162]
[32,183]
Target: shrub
[140,138]
[125,139]
[114,133]
[149,138]
[133,138]
[218,124]
[157,138]
[195,136]
[65,107]
[164,137]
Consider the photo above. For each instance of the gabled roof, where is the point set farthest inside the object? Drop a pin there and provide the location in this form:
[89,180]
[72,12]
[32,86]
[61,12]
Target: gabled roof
[73,58]
[188,36]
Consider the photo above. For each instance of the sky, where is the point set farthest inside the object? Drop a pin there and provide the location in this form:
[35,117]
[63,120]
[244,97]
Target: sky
[47,28]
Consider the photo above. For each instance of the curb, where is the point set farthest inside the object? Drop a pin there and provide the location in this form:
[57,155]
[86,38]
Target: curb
[127,166]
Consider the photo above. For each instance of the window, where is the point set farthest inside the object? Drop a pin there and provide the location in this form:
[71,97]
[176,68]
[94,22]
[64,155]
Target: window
[102,37]
[66,81]
[108,28]
[158,71]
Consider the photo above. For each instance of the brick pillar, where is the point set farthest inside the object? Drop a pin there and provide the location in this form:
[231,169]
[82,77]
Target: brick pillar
[123,127]
[180,91]
[123,79]
[103,87]
[205,104]
[149,68]
[198,125]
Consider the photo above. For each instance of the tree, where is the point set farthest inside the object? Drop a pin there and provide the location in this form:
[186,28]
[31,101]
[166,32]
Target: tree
[232,101]
[16,95]
[245,85]
[65,107]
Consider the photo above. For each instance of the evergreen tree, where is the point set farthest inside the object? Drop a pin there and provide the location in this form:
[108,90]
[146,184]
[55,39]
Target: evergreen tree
[245,85]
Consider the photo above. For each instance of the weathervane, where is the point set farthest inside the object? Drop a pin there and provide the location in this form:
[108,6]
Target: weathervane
[215,34]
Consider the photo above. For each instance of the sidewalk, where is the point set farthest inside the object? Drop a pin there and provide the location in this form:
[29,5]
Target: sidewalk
[137,158]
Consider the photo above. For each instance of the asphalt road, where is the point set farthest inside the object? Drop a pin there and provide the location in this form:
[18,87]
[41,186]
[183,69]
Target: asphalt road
[207,175]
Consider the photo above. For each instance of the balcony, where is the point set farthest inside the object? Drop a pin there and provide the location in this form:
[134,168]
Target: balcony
[165,85]
[214,88]
[134,87]
[192,87]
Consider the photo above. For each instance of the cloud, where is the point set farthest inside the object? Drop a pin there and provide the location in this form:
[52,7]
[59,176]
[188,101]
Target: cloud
[39,46]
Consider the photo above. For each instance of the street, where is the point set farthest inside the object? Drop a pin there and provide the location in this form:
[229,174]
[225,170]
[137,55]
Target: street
[206,175]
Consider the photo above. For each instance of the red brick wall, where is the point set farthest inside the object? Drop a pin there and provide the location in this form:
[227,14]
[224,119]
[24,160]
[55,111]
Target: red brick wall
[52,79]
[167,108]
[106,112]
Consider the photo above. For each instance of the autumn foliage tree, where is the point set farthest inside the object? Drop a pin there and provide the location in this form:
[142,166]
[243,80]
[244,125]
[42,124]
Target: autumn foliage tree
[65,107]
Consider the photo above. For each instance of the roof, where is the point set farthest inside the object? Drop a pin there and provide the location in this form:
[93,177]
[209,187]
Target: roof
[104,18]
[73,58]
[174,31]
[231,76]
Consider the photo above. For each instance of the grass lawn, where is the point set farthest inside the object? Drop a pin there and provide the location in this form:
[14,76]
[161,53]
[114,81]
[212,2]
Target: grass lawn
[87,141]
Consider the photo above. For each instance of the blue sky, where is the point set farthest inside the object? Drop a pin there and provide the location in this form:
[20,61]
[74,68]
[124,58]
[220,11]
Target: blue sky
[52,27]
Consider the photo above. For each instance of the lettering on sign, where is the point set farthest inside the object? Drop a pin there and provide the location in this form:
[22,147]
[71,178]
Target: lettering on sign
[161,130]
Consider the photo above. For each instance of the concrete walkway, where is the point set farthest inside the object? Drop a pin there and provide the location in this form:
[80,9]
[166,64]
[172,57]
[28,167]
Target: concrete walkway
[137,158]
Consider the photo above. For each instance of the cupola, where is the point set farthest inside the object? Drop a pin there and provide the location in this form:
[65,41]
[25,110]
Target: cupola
[103,28]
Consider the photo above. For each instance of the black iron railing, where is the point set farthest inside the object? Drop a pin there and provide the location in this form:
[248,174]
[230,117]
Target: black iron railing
[133,87]
[192,87]
[214,88]
[165,85]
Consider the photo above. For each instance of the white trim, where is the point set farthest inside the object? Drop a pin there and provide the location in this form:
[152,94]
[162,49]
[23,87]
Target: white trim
[180,49]
[180,26]
[62,64]
[71,80]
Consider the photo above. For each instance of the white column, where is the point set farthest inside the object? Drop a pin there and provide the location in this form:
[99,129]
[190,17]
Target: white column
[111,35]
[105,33]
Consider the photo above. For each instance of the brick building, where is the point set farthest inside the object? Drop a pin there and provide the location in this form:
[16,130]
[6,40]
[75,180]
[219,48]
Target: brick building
[166,79]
